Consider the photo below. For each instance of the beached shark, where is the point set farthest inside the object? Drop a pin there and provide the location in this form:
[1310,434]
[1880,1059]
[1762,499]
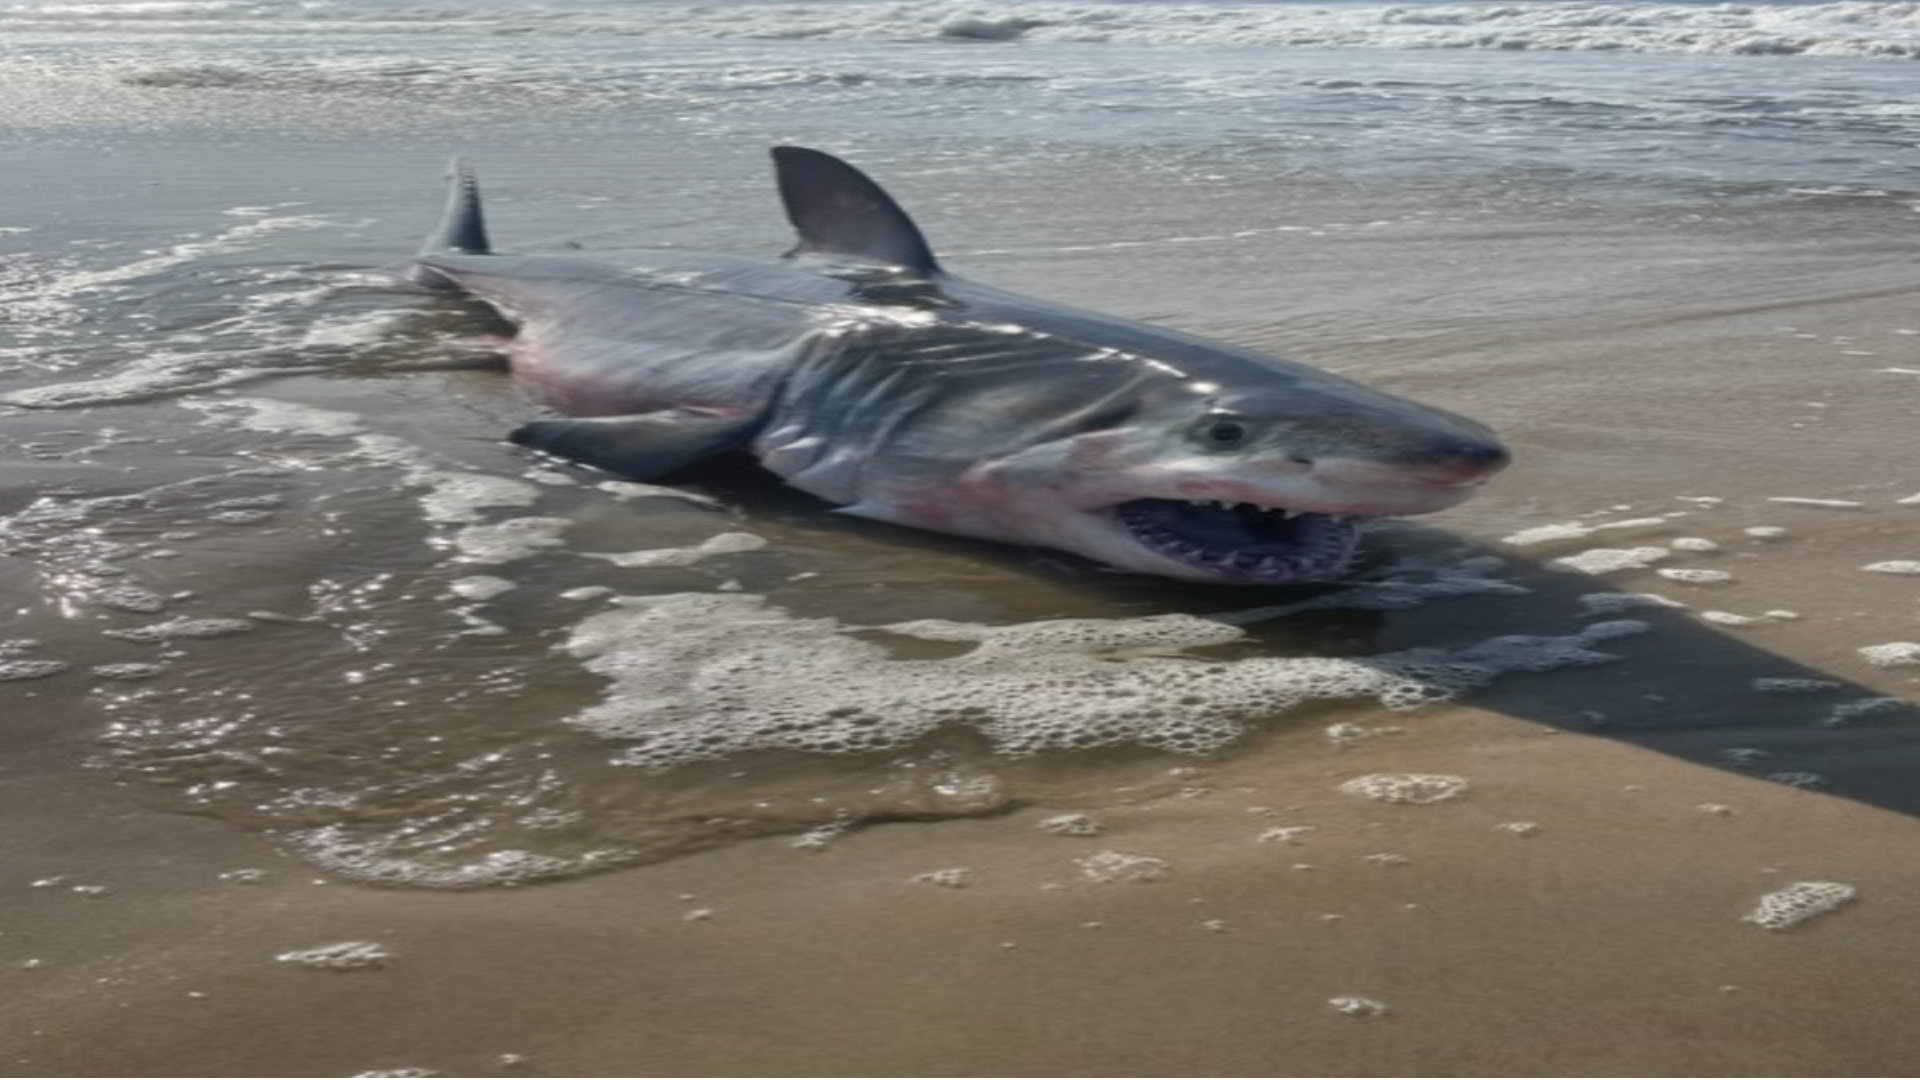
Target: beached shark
[858,370]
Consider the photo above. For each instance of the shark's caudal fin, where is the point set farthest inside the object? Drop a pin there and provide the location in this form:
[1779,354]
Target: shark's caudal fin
[463,230]
[840,212]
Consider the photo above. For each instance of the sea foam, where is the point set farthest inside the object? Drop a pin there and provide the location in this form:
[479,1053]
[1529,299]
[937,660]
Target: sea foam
[698,676]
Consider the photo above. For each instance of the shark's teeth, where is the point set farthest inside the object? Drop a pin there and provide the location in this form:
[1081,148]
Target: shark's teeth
[1244,542]
[1252,507]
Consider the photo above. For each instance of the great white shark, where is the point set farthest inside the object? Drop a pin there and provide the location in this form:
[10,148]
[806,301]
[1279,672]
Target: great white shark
[857,369]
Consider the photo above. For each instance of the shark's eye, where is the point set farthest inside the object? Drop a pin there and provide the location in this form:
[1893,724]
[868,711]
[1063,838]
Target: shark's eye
[1223,433]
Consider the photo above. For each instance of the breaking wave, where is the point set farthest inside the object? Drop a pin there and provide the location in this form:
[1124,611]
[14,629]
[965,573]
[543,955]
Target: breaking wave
[1864,28]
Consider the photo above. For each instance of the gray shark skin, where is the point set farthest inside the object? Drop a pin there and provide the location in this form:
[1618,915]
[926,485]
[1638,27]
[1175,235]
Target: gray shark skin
[858,370]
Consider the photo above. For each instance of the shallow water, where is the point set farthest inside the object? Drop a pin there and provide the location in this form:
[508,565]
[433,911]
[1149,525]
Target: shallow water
[331,508]
[274,568]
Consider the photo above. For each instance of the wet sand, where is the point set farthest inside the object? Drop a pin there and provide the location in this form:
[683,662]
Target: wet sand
[1606,940]
[1578,909]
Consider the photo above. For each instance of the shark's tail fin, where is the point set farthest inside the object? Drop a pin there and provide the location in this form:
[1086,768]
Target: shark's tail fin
[462,231]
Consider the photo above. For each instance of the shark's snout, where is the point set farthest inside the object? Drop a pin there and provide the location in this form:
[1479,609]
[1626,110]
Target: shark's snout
[1450,464]
[1463,463]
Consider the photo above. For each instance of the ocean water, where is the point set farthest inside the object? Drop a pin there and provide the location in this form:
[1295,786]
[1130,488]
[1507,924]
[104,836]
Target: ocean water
[270,561]
[1806,93]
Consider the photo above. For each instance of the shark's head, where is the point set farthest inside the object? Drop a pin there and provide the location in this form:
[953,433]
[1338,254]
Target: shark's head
[1267,487]
[1275,489]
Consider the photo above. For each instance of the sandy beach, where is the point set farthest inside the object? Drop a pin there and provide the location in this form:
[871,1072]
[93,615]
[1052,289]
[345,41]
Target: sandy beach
[1579,913]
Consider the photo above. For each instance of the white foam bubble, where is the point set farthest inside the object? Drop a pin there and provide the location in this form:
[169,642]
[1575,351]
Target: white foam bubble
[284,417]
[130,598]
[480,587]
[182,627]
[506,541]
[1541,534]
[1892,654]
[1615,603]
[459,498]
[129,672]
[1071,825]
[1849,711]
[339,956]
[1579,530]
[1609,560]
[629,489]
[951,877]
[1114,867]
[1795,686]
[1894,566]
[386,860]
[1347,733]
[1798,778]
[1693,576]
[697,676]
[1356,1005]
[1799,902]
[821,837]
[1291,835]
[72,888]
[1828,504]
[1728,618]
[12,670]
[1413,788]
[353,331]
[726,543]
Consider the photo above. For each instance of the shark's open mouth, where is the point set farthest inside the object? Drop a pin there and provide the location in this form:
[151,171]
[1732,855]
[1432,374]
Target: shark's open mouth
[1244,542]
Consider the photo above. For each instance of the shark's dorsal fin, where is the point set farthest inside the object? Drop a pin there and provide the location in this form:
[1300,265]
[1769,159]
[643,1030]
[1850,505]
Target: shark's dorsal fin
[840,212]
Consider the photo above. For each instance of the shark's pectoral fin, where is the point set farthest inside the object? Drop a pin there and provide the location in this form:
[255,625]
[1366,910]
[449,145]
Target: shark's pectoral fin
[645,446]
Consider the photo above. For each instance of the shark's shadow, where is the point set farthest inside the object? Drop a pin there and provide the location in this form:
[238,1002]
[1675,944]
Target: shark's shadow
[1686,688]
[1697,692]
